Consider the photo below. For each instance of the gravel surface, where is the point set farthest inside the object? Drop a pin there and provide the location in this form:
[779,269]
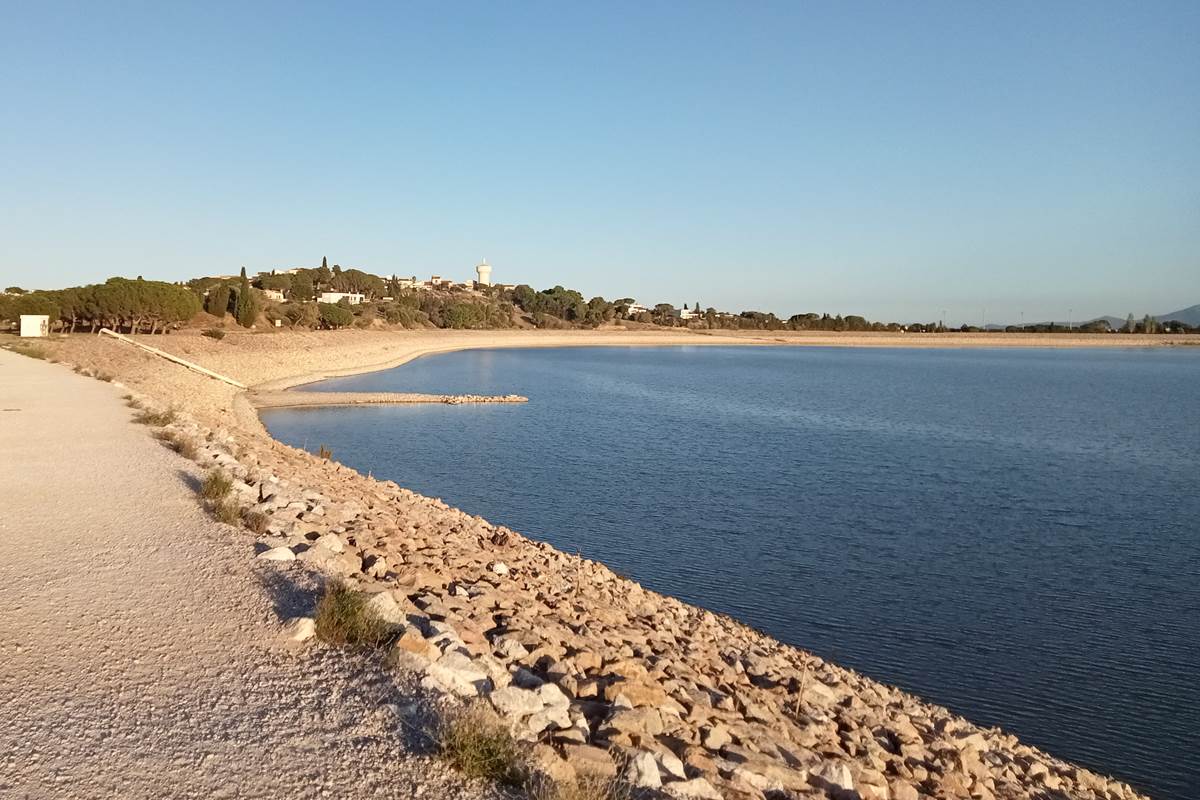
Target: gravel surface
[140,649]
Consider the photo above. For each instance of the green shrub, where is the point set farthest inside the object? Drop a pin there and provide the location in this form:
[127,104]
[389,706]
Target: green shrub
[215,486]
[335,316]
[302,315]
[478,744]
[343,618]
[214,333]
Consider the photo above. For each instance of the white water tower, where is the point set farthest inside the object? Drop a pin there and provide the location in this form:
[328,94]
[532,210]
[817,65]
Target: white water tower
[484,271]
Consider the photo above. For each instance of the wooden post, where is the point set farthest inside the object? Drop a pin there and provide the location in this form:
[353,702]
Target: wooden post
[176,359]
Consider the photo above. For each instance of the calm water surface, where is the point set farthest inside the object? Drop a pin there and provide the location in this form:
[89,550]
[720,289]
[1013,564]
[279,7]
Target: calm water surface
[1013,534]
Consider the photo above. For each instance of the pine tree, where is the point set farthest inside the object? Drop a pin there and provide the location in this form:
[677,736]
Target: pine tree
[246,308]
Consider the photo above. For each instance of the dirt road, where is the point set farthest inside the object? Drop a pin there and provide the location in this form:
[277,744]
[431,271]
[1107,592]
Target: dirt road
[139,648]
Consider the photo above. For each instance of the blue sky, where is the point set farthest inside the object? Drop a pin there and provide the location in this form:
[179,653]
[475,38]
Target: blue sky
[888,159]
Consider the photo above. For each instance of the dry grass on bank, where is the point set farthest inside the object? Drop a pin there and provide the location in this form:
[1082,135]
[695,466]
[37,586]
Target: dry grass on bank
[343,618]
[155,418]
[588,786]
[476,742]
[215,486]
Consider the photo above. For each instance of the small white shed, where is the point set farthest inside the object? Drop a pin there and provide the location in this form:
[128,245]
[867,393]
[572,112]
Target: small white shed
[35,325]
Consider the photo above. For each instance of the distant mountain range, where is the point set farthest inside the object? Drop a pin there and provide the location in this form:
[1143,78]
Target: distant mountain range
[1188,316]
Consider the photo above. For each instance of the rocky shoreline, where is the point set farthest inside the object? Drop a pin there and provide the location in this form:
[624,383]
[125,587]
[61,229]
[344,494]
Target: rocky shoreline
[298,399]
[594,670]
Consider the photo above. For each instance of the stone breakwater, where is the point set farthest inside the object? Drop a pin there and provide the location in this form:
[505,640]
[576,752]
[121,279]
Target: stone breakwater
[597,673]
[297,399]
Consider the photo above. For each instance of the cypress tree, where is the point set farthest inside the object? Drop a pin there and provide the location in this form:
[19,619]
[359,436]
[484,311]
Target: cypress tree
[246,308]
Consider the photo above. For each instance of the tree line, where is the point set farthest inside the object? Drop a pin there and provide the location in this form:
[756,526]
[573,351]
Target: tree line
[134,306]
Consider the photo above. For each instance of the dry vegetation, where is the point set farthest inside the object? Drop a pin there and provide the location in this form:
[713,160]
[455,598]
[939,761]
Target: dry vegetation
[343,618]
[215,486]
[476,742]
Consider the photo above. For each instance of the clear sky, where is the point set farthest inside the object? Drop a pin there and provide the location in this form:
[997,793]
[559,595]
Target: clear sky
[888,159]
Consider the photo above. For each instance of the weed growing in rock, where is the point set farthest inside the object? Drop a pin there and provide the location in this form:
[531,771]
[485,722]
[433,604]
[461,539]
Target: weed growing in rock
[478,744]
[585,786]
[255,521]
[215,486]
[179,442]
[324,452]
[156,419]
[228,512]
[185,446]
[343,618]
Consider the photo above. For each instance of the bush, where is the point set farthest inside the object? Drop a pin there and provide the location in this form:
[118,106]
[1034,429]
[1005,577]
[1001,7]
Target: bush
[214,333]
[343,618]
[215,486]
[302,315]
[478,744]
[335,316]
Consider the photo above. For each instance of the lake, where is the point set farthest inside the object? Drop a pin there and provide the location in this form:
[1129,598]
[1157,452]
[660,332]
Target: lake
[1014,534]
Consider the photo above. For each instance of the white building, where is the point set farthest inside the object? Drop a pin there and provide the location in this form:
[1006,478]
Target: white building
[273,294]
[354,298]
[35,325]
[484,271]
[635,309]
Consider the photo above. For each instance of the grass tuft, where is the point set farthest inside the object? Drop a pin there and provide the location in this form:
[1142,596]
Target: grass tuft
[107,377]
[255,521]
[185,446]
[157,419]
[343,618]
[179,442]
[215,486]
[227,511]
[585,786]
[477,743]
[324,452]
[214,333]
[31,350]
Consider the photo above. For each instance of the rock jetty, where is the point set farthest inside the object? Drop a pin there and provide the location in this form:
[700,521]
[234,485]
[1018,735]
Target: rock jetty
[599,674]
[296,399]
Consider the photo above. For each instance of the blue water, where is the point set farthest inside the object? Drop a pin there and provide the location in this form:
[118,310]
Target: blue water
[1012,534]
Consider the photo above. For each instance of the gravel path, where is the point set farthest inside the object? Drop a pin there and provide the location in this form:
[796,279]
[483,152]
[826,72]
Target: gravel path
[139,646]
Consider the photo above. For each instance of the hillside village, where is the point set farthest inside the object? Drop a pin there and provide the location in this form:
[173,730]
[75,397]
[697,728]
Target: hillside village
[332,297]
